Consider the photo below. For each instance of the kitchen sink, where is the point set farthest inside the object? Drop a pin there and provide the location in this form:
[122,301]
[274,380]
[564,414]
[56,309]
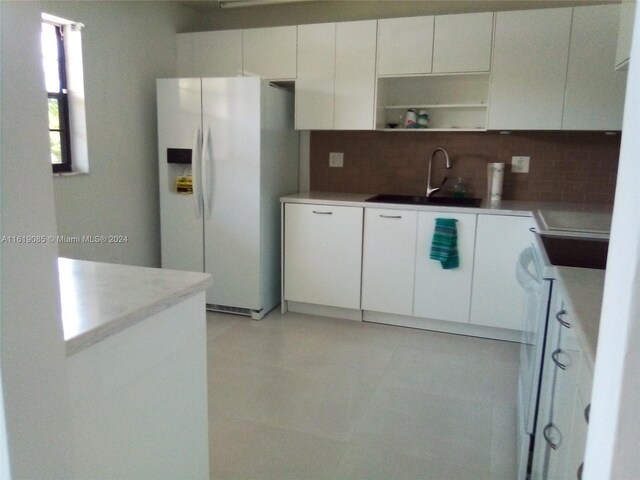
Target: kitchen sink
[423,200]
[576,251]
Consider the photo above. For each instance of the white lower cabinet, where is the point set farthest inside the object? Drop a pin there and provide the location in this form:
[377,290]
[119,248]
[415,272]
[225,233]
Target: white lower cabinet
[561,430]
[323,254]
[388,259]
[497,299]
[444,294]
[377,261]
[566,362]
[578,435]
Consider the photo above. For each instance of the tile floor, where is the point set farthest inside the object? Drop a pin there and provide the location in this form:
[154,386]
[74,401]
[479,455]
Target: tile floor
[305,397]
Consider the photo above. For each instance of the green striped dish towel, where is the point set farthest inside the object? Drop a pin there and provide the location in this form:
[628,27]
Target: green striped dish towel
[444,246]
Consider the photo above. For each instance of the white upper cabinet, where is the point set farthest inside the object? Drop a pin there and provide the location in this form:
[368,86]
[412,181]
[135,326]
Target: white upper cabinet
[625,29]
[316,72]
[355,75]
[335,84]
[270,52]
[529,69]
[594,98]
[405,45]
[210,54]
[462,43]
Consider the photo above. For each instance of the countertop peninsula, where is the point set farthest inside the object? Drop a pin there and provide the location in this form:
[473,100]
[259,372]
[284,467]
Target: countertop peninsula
[99,300]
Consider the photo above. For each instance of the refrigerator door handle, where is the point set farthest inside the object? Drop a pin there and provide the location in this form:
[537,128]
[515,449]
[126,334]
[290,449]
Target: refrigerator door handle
[207,172]
[196,172]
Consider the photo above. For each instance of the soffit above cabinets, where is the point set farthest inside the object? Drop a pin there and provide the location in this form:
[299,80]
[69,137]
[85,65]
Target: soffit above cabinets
[384,9]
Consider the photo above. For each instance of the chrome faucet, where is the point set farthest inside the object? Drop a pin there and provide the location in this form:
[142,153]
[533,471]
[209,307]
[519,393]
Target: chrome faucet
[431,190]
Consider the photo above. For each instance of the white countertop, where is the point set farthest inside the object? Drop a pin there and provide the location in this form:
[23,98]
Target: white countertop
[584,288]
[590,221]
[506,207]
[101,299]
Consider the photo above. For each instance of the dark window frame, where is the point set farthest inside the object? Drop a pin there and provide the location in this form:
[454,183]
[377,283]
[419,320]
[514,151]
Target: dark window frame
[62,98]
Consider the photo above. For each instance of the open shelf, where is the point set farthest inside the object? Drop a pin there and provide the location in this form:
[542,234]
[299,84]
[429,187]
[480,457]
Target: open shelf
[456,102]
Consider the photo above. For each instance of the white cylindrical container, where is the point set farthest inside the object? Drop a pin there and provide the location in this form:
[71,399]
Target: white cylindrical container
[495,176]
[410,119]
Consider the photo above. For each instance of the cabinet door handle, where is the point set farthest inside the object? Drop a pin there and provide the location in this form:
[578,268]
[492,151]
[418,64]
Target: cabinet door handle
[545,434]
[562,322]
[587,411]
[532,229]
[554,356]
[322,213]
[390,216]
[579,473]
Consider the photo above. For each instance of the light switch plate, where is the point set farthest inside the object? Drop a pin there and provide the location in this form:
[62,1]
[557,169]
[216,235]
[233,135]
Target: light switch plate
[520,164]
[336,159]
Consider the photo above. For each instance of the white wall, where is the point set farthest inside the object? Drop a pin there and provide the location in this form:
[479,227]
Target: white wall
[126,46]
[613,445]
[32,357]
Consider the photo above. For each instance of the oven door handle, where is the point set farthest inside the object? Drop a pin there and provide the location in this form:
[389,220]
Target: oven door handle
[560,320]
[546,433]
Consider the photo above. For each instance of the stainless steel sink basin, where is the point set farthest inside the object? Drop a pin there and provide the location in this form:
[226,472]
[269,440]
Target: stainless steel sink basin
[422,200]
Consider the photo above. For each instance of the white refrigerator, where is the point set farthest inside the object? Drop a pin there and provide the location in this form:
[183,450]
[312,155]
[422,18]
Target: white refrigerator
[235,137]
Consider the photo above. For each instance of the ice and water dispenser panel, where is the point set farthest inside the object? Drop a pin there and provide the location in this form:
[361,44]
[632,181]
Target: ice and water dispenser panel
[179,160]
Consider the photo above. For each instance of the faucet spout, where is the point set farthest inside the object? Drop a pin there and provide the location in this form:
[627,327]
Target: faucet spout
[431,190]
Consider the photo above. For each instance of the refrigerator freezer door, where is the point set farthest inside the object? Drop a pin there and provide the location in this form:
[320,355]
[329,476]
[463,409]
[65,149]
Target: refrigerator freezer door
[232,116]
[179,118]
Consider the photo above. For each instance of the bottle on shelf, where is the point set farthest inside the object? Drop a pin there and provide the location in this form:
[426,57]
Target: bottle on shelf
[423,119]
[410,119]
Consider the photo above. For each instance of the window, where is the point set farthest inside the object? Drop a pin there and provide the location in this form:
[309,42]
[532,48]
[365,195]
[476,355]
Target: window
[55,75]
[64,80]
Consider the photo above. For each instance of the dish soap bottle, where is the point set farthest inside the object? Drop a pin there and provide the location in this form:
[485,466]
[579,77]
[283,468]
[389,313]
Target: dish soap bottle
[460,189]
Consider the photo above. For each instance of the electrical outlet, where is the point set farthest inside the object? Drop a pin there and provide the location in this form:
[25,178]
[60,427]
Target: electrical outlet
[336,159]
[520,164]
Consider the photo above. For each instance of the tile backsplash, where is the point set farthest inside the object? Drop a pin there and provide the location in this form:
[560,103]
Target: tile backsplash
[575,167]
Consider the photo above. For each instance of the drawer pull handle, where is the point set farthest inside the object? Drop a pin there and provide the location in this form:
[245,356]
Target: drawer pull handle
[532,229]
[547,438]
[562,322]
[580,468]
[322,213]
[587,411]
[390,216]
[554,356]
